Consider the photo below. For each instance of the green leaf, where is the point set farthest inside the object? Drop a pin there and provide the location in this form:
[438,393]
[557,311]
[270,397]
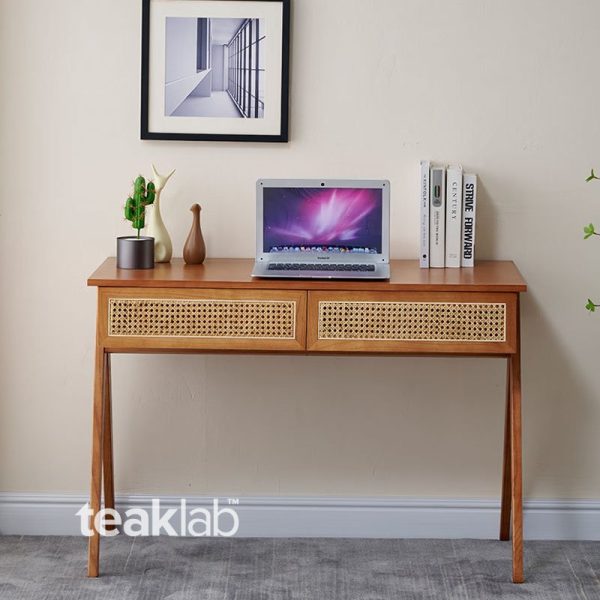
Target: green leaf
[590,306]
[129,209]
[589,231]
[138,223]
[139,185]
[592,176]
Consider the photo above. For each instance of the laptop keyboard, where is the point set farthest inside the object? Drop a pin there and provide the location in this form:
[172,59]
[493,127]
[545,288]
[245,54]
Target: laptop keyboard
[320,267]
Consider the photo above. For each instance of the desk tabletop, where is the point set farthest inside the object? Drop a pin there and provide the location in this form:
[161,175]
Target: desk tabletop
[234,273]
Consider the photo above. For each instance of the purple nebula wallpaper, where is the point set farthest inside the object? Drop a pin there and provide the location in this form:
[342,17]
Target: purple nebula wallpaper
[323,220]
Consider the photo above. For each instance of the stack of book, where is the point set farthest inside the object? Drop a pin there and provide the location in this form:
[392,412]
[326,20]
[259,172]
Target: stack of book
[448,199]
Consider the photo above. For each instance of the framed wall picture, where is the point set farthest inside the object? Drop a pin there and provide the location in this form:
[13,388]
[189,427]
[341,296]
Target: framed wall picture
[215,70]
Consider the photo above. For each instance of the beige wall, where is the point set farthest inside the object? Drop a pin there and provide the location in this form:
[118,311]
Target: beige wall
[513,94]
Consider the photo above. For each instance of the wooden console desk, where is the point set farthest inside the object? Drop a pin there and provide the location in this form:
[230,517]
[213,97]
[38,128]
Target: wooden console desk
[218,307]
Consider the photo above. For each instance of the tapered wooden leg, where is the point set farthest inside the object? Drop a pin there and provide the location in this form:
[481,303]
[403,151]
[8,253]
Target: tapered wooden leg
[96,489]
[506,464]
[107,444]
[516,466]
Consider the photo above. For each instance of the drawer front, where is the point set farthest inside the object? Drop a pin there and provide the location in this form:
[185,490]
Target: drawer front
[210,319]
[412,322]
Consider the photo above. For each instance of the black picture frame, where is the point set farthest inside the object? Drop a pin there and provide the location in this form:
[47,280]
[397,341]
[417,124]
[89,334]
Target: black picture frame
[282,136]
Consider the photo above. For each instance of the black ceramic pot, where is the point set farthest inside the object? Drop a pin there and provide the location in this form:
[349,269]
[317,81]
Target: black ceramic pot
[135,252]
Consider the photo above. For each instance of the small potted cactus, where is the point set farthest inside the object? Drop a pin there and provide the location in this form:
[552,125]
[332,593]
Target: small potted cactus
[137,252]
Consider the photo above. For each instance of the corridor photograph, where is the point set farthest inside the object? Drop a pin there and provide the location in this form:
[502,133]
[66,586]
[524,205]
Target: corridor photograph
[215,67]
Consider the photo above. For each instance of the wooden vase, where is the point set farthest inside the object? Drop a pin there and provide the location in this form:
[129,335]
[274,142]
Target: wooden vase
[194,251]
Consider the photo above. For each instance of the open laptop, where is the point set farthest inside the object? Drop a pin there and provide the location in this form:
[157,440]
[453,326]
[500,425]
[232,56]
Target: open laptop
[324,229]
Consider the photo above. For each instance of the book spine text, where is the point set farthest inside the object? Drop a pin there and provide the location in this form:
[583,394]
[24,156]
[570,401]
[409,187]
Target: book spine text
[468,222]
[424,209]
[454,192]
[437,218]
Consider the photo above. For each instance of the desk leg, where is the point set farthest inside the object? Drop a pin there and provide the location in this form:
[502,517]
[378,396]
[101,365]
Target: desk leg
[506,464]
[96,489]
[107,444]
[516,466]
[516,459]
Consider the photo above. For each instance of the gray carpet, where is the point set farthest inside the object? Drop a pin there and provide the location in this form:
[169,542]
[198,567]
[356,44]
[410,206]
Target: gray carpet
[49,568]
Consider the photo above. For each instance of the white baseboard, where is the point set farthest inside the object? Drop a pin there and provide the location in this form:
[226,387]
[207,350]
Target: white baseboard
[51,514]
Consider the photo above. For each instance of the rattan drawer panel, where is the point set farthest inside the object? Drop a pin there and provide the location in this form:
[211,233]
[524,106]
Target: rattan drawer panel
[405,322]
[208,318]
[249,319]
[413,321]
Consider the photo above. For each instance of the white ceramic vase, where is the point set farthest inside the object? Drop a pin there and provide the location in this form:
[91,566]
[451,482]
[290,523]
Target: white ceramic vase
[163,247]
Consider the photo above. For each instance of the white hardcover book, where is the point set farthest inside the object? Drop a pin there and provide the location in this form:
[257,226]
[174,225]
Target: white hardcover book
[468,220]
[437,217]
[424,204]
[454,191]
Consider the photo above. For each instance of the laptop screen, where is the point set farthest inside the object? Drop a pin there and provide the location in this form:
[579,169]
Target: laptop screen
[335,220]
